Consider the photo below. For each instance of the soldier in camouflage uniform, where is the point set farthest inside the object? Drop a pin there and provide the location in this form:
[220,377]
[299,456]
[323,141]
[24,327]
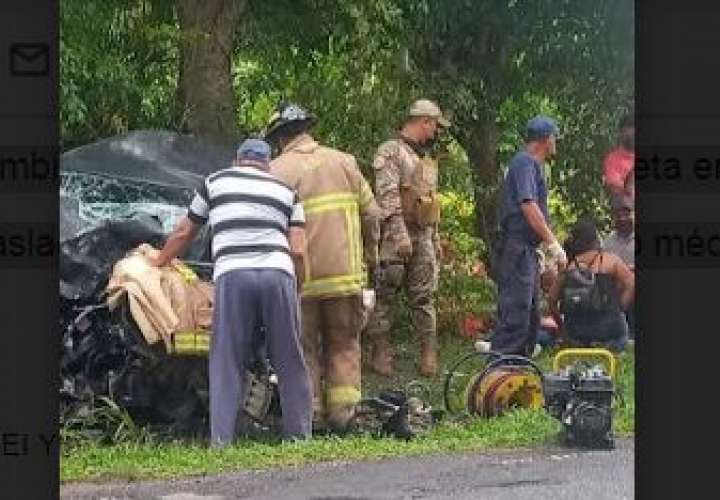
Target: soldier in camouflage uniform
[406,191]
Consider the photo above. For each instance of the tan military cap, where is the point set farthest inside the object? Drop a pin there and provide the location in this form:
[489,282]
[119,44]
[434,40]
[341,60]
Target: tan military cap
[424,107]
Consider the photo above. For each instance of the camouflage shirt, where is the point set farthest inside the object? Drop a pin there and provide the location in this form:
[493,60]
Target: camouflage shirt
[395,164]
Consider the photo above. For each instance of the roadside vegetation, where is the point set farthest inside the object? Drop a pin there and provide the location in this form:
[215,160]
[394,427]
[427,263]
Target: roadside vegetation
[132,452]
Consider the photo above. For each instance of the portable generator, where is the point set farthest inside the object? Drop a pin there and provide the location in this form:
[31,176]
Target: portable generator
[580,395]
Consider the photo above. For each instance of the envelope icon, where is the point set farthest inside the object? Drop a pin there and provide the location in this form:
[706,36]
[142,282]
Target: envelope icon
[29,59]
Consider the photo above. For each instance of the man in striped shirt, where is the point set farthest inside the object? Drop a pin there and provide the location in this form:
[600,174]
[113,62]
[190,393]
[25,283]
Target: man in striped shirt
[257,241]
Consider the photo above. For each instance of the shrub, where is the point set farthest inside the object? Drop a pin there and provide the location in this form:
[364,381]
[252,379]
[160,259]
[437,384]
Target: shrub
[465,294]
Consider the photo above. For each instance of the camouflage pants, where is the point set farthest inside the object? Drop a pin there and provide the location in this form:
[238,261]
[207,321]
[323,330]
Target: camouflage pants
[419,278]
[331,344]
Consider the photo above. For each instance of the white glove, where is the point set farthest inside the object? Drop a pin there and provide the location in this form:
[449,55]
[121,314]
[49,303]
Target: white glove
[368,299]
[557,252]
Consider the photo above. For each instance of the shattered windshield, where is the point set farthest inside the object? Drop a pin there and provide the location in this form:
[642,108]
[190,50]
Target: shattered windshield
[97,198]
[123,191]
[144,172]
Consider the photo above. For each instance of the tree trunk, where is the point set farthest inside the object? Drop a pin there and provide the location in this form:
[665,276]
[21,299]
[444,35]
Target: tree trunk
[480,140]
[205,90]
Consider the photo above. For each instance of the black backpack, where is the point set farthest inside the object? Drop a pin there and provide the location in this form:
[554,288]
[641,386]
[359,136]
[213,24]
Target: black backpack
[585,291]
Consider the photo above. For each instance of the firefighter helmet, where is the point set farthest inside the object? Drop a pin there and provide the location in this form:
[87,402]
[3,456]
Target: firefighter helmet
[286,114]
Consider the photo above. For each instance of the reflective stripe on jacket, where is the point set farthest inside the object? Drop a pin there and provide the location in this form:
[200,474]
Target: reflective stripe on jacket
[341,216]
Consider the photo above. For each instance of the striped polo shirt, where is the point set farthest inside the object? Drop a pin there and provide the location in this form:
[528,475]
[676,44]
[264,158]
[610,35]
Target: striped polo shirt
[249,211]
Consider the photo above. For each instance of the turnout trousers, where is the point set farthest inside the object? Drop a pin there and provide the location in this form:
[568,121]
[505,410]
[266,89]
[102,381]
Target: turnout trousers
[246,300]
[518,309]
[331,344]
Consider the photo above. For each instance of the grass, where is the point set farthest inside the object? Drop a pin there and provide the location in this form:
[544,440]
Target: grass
[132,461]
[145,458]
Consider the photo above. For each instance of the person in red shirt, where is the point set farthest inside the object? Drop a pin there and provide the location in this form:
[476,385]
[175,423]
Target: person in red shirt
[619,164]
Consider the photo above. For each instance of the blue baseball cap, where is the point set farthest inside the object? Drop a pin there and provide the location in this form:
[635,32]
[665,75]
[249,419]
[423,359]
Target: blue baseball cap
[254,152]
[541,127]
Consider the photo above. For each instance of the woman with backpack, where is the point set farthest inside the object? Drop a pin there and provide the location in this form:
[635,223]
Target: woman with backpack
[590,295]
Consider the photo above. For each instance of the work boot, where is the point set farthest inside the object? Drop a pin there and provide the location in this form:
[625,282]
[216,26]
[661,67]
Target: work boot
[339,418]
[382,360]
[428,361]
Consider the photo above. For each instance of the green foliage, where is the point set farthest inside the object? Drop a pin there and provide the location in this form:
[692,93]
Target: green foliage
[461,292]
[119,64]
[454,173]
[495,49]
[508,60]
[338,59]
[457,218]
[358,65]
[103,423]
[561,213]
[462,296]
[624,405]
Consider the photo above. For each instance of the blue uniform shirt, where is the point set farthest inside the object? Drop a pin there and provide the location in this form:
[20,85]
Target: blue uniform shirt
[524,181]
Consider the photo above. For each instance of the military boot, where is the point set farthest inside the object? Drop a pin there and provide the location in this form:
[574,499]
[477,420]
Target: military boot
[382,359]
[428,360]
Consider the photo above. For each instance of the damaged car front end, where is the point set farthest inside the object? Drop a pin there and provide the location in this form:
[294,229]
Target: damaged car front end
[115,196]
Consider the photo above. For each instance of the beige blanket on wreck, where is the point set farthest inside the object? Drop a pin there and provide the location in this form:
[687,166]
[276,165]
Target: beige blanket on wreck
[162,301]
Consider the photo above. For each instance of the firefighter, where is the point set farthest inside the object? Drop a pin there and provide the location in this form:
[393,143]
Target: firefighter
[406,189]
[342,245]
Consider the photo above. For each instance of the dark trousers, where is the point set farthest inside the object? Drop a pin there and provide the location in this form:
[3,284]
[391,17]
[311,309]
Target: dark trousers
[630,316]
[518,282]
[246,300]
[601,329]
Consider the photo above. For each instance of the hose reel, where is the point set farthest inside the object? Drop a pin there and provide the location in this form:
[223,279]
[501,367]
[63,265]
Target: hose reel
[504,382]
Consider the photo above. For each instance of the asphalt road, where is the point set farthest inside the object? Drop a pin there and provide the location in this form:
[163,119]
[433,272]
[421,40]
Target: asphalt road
[555,474]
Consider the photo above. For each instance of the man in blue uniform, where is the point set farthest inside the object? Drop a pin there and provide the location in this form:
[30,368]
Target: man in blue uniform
[524,224]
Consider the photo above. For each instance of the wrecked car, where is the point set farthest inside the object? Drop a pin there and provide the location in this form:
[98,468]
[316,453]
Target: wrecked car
[116,196]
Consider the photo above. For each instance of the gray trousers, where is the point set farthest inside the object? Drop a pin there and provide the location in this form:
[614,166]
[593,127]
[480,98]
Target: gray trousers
[245,300]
